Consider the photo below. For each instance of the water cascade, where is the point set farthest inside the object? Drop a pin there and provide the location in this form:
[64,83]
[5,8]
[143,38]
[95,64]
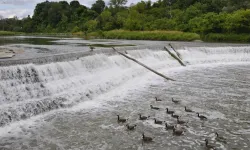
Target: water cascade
[51,85]
[30,89]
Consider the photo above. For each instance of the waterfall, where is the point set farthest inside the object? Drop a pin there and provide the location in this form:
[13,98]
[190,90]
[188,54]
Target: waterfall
[64,80]
[27,90]
[203,55]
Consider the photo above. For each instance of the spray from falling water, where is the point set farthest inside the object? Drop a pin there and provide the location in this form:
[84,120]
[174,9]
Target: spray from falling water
[31,89]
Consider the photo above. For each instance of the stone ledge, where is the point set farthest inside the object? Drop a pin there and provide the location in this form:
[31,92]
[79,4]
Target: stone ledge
[6,53]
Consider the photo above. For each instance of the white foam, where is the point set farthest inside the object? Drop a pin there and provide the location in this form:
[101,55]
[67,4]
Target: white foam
[98,76]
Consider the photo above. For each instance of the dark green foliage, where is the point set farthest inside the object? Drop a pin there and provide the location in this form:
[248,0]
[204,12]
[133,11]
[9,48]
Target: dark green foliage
[11,24]
[215,37]
[205,17]
[98,6]
[74,4]
[238,22]
[8,33]
[150,35]
[117,3]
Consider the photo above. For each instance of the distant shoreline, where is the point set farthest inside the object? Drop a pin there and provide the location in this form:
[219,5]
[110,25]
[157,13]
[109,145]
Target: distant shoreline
[145,35]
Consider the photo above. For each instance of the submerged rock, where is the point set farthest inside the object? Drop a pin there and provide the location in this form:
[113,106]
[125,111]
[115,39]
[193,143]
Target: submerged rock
[6,53]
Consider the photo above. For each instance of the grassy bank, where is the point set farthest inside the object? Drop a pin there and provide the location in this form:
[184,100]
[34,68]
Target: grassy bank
[147,35]
[52,34]
[9,33]
[232,38]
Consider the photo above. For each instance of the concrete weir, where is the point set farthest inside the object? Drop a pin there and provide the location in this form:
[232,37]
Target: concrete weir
[66,56]
[68,97]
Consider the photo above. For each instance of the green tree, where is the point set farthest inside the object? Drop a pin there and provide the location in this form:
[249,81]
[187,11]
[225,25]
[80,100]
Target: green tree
[201,16]
[117,3]
[238,22]
[163,24]
[106,20]
[2,22]
[63,24]
[91,25]
[208,23]
[74,4]
[75,29]
[233,5]
[120,19]
[54,14]
[98,6]
[28,25]
[141,7]
[135,21]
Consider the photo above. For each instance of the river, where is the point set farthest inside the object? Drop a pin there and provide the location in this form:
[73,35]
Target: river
[71,104]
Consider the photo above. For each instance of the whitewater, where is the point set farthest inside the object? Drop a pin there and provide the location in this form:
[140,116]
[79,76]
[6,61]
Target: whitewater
[73,103]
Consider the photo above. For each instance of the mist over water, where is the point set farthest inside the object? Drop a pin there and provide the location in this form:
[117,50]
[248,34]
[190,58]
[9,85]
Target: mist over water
[73,104]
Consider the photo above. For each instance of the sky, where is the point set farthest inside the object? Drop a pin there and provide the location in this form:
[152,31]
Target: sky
[23,8]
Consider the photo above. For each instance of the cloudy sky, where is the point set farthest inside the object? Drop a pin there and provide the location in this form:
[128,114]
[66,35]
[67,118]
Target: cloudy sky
[23,8]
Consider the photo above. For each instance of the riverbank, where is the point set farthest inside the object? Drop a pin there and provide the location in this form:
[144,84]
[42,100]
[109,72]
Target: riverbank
[120,34]
[171,36]
[10,33]
[147,35]
[232,38]
[144,35]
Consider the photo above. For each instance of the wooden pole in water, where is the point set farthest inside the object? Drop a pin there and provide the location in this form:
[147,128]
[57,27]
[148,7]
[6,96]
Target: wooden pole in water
[143,65]
[175,57]
[178,54]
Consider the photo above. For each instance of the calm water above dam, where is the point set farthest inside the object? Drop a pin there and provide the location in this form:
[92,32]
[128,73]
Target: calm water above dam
[72,104]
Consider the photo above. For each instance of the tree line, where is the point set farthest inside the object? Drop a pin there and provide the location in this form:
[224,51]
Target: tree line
[199,16]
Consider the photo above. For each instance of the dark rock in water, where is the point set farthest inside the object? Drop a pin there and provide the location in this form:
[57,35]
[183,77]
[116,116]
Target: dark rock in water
[9,117]
[23,116]
[27,88]
[36,111]
[62,105]
[42,86]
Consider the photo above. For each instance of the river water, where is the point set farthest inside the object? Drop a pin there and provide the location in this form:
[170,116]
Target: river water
[72,105]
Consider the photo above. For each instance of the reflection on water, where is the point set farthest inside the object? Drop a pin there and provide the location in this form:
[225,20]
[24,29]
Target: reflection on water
[109,45]
[33,41]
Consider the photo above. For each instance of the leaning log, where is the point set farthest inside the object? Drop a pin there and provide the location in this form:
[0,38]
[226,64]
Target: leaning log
[178,54]
[174,56]
[128,57]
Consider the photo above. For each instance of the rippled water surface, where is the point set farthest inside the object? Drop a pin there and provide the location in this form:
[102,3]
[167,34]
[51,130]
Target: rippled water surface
[73,105]
[220,92]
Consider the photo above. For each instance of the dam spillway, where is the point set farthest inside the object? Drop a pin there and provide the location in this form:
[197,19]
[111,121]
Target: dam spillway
[74,102]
